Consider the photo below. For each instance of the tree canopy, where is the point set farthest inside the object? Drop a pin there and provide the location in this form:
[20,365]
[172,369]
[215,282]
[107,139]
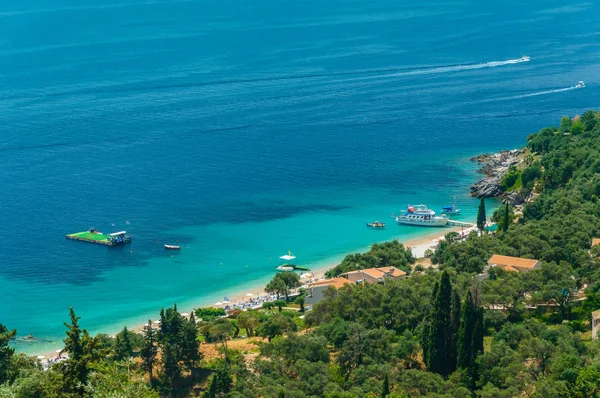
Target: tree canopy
[459,329]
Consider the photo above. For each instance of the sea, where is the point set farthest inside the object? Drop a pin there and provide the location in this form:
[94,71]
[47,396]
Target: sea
[240,130]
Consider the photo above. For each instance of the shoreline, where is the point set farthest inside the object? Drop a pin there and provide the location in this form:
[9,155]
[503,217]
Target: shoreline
[418,246]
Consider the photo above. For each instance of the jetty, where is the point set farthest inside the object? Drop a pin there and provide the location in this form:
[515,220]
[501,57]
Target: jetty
[93,236]
[454,223]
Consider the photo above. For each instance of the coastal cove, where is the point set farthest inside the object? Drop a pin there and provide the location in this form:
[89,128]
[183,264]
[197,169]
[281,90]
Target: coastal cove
[240,131]
[247,274]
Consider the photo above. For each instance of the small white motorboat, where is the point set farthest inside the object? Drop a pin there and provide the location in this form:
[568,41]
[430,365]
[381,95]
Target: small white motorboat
[581,84]
[172,247]
[525,58]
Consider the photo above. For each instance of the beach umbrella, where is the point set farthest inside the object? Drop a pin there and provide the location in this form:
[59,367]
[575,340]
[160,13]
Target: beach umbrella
[249,294]
[41,357]
[156,321]
[58,351]
[218,303]
[306,276]
[185,314]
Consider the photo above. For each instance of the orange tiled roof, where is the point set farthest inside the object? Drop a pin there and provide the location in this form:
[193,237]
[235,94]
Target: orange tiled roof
[512,261]
[335,282]
[395,272]
[510,268]
[374,273]
[595,241]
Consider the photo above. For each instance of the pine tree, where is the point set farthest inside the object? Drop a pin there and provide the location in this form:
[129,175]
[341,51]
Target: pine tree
[171,374]
[123,346]
[6,352]
[440,359]
[150,350]
[170,340]
[190,346]
[212,390]
[222,380]
[481,217]
[82,352]
[385,390]
[505,220]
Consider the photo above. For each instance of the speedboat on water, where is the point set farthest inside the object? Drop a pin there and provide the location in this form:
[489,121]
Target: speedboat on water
[581,84]
[525,58]
[420,215]
[172,247]
[376,224]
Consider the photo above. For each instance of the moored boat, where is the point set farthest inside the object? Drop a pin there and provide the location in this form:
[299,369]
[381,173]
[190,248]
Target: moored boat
[288,266]
[172,247]
[451,209]
[420,215]
[376,224]
[299,268]
[284,268]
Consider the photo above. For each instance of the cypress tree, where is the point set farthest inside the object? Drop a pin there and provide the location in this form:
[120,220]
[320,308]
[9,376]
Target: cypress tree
[505,220]
[385,390]
[470,340]
[481,217]
[453,333]
[426,338]
[465,334]
[478,333]
[441,325]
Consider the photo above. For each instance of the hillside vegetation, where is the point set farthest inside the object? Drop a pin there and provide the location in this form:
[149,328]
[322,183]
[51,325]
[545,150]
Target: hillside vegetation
[439,333]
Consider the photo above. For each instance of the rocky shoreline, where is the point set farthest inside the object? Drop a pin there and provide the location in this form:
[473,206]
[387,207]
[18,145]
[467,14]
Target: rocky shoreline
[494,167]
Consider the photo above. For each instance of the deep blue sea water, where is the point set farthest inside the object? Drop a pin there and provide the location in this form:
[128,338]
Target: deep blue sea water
[244,129]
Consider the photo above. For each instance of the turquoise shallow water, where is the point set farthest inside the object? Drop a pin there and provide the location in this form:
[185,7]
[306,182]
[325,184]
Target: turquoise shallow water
[242,130]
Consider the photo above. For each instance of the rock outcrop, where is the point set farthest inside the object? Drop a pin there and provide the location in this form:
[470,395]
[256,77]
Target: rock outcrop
[495,166]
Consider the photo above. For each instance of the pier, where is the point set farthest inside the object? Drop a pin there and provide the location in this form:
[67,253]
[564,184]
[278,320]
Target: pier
[93,236]
[454,223]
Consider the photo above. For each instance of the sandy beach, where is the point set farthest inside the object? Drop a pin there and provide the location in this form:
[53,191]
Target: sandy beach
[241,298]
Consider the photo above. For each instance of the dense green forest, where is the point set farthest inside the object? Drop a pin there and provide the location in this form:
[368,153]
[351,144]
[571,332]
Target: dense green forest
[442,332]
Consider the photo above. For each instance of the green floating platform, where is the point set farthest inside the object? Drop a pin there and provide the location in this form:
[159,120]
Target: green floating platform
[117,238]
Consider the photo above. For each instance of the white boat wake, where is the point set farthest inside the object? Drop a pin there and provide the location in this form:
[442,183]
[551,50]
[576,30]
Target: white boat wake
[546,92]
[447,69]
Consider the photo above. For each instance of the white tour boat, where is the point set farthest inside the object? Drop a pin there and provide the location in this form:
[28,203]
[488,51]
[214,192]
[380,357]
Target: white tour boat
[420,215]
